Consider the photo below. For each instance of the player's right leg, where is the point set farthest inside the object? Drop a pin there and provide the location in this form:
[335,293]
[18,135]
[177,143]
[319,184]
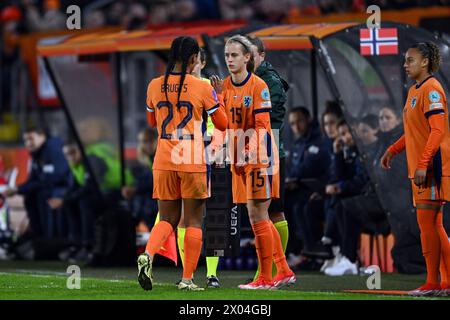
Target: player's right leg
[431,247]
[195,190]
[261,225]
[193,240]
[168,192]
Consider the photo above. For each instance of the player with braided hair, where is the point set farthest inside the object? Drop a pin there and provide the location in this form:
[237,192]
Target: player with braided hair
[427,143]
[178,104]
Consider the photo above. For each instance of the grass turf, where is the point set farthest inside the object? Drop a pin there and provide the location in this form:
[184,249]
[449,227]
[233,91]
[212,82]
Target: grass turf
[47,280]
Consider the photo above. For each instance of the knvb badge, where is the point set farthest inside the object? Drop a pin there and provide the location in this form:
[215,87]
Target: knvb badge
[383,41]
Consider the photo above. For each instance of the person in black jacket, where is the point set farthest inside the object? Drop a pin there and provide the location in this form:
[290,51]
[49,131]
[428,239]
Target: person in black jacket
[407,252]
[49,177]
[350,178]
[330,240]
[308,159]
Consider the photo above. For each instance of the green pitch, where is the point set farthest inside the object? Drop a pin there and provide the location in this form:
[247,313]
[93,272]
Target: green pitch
[48,280]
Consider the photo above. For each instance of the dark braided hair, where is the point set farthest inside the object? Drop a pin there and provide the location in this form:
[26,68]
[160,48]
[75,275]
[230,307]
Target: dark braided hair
[202,55]
[431,51]
[181,50]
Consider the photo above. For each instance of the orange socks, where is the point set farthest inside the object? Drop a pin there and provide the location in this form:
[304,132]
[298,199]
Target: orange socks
[445,250]
[159,234]
[264,247]
[431,244]
[278,253]
[444,273]
[192,247]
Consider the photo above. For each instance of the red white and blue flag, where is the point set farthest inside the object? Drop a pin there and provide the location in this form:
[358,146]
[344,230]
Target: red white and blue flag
[378,42]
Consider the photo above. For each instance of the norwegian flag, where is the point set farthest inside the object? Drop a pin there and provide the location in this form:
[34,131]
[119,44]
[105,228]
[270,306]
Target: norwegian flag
[378,41]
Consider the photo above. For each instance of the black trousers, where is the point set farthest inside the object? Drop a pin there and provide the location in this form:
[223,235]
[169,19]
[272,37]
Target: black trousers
[44,221]
[305,220]
[81,216]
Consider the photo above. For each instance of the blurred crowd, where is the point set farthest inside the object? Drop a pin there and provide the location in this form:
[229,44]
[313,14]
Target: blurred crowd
[42,15]
[20,17]
[330,196]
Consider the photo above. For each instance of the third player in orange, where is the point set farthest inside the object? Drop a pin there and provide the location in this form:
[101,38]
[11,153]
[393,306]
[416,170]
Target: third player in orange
[427,143]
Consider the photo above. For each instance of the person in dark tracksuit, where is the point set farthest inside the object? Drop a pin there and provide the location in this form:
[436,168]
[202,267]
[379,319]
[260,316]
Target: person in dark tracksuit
[49,177]
[350,179]
[308,159]
[330,119]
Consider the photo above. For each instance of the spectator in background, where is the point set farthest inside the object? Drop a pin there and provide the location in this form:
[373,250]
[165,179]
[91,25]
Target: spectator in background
[406,247]
[94,19]
[115,13]
[136,17]
[97,136]
[236,9]
[51,19]
[368,132]
[12,27]
[185,10]
[350,178]
[391,129]
[362,212]
[141,193]
[368,129]
[207,9]
[330,119]
[271,11]
[307,159]
[81,204]
[49,177]
[159,13]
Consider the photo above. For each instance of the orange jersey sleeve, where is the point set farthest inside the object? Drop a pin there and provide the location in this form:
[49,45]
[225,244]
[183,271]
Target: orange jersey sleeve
[398,146]
[219,116]
[433,101]
[261,99]
[437,133]
[151,119]
[433,104]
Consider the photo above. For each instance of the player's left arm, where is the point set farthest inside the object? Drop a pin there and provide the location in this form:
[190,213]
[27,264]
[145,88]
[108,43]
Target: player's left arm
[151,118]
[262,107]
[215,107]
[435,112]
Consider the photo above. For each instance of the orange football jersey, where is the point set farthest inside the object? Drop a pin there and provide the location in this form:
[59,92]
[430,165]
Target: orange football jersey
[425,99]
[242,102]
[181,124]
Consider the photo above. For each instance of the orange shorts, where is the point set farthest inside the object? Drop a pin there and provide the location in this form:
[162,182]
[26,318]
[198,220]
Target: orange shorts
[432,191]
[173,185]
[255,184]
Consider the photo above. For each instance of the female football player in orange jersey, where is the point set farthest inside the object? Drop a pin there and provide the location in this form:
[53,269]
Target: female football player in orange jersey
[427,143]
[212,281]
[247,103]
[177,104]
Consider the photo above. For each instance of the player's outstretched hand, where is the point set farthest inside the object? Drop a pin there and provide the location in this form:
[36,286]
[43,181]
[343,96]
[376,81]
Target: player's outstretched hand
[217,83]
[386,160]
